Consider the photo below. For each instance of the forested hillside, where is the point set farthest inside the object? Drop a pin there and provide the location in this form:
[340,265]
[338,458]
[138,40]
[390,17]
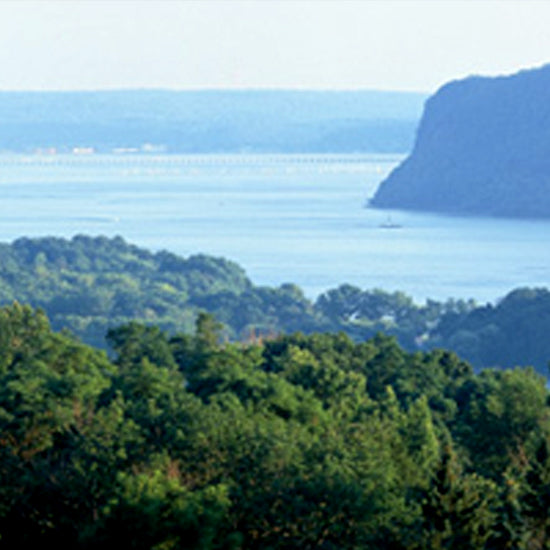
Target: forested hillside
[307,442]
[92,284]
[209,121]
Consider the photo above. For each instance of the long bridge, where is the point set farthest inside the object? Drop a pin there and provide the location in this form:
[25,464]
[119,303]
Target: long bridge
[212,159]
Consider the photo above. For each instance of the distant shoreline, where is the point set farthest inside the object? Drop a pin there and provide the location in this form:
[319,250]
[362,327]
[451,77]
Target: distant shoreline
[213,157]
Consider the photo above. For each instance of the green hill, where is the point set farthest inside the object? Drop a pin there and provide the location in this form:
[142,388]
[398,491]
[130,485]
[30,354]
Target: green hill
[92,284]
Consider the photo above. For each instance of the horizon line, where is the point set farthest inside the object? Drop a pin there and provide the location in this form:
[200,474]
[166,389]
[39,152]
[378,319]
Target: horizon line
[211,90]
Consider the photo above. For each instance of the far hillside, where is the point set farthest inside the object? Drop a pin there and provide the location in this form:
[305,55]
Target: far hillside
[482,148]
[218,121]
[90,285]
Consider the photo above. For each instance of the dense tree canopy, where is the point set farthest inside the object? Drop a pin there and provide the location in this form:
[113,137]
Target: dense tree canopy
[185,441]
[90,285]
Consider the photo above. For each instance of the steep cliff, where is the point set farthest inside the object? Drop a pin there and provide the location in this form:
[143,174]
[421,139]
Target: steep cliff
[482,148]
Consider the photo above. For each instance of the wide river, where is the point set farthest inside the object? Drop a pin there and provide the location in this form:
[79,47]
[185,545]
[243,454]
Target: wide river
[284,218]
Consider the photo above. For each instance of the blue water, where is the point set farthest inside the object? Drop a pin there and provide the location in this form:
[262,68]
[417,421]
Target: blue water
[286,218]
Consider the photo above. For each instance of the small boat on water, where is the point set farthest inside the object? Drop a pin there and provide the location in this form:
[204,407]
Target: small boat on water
[389,224]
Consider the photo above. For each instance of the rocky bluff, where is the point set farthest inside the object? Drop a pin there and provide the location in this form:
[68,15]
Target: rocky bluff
[482,148]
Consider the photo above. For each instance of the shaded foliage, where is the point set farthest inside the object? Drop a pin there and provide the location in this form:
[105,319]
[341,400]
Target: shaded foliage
[183,441]
[91,285]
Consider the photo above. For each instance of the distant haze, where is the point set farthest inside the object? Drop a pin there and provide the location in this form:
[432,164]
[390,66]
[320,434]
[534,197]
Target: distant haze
[154,121]
[385,45]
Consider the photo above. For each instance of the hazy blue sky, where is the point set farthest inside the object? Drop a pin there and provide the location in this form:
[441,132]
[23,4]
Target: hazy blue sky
[402,45]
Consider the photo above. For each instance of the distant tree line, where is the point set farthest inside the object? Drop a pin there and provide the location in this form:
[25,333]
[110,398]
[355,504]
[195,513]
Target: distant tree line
[89,285]
[209,121]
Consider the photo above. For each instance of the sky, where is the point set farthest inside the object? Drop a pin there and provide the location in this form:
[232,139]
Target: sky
[322,44]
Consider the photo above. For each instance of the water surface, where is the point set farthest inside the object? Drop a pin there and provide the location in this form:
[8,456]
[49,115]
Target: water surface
[284,218]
